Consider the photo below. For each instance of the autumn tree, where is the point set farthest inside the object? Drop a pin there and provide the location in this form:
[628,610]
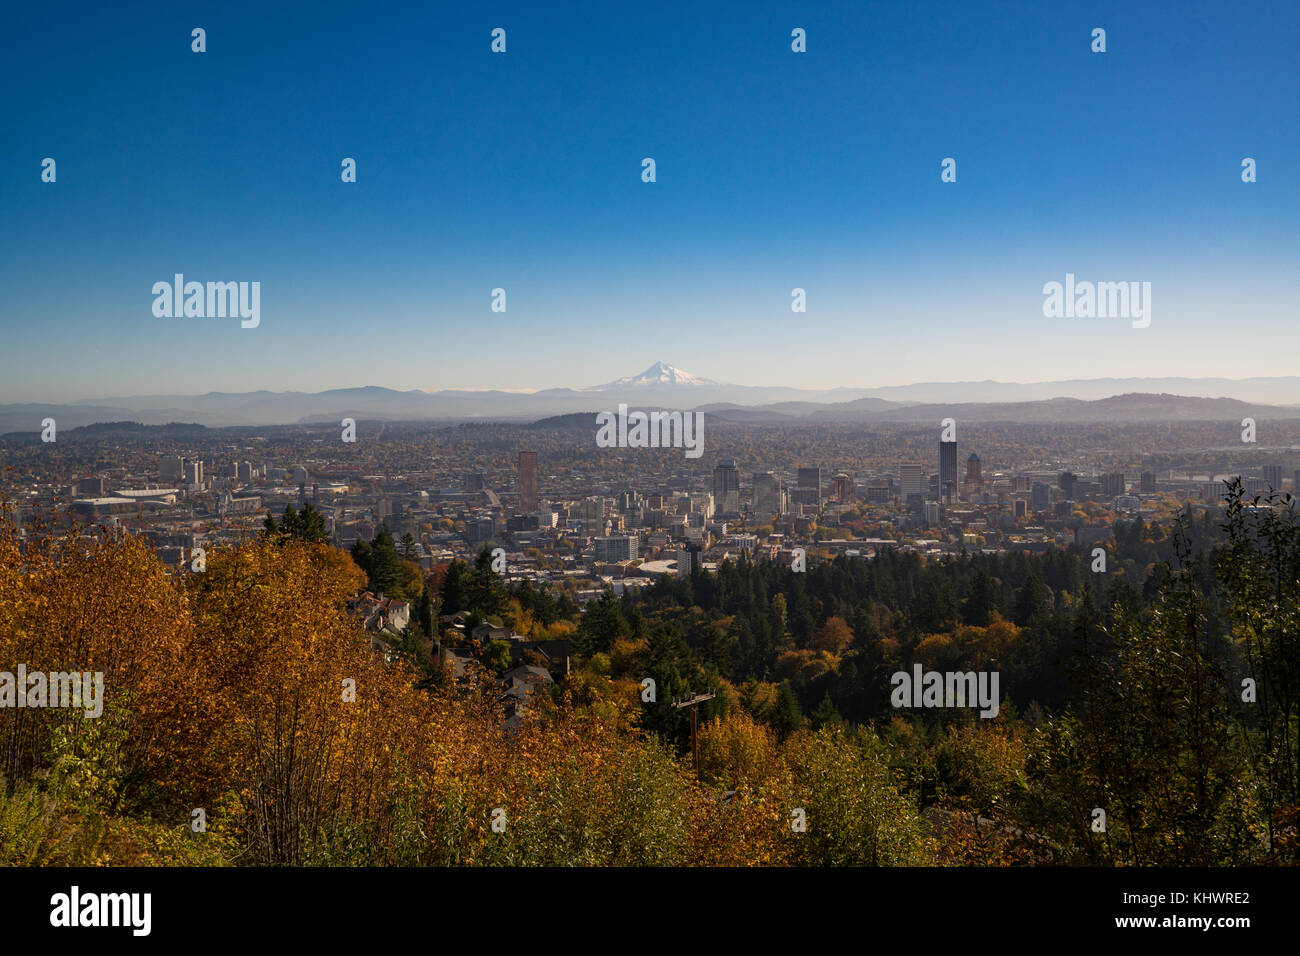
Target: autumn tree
[834,636]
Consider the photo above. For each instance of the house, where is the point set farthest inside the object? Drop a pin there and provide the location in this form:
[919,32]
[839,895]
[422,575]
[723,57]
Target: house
[553,655]
[378,613]
[519,684]
[459,659]
[485,633]
[527,677]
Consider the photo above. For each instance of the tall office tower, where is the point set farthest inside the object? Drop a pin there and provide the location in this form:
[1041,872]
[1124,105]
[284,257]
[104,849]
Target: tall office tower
[912,480]
[948,468]
[527,481]
[480,531]
[1067,482]
[1040,496]
[1112,483]
[842,488]
[1148,485]
[804,498]
[767,494]
[171,468]
[726,488]
[810,478]
[1273,476]
[592,511]
[974,477]
[194,472]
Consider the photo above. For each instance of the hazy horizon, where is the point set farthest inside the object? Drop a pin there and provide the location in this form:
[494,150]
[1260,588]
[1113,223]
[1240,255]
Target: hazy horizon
[775,170]
[712,383]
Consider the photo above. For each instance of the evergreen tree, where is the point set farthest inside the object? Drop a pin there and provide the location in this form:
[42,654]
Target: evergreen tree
[455,588]
[602,624]
[785,717]
[307,525]
[408,546]
[825,714]
[383,566]
[981,603]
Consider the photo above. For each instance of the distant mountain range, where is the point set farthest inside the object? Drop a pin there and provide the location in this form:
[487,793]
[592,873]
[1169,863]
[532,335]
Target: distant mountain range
[663,386]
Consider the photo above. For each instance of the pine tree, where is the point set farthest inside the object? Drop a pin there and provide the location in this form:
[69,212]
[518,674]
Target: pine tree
[385,569]
[785,717]
[825,715]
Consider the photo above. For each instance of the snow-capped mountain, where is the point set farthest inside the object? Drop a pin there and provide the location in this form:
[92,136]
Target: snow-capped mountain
[661,373]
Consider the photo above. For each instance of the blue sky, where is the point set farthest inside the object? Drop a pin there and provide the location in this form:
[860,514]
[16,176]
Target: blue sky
[522,171]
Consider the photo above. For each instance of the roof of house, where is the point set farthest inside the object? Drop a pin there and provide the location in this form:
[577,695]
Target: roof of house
[526,671]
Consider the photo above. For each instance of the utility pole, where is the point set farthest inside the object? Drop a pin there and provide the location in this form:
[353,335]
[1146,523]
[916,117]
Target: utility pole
[693,701]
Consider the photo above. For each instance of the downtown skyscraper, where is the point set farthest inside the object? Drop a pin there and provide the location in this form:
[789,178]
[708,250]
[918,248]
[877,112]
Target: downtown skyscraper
[527,481]
[947,469]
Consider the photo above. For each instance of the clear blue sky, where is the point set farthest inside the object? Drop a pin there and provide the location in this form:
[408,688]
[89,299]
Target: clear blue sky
[522,171]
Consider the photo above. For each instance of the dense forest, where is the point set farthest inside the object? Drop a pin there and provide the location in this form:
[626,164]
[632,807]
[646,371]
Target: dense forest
[1148,710]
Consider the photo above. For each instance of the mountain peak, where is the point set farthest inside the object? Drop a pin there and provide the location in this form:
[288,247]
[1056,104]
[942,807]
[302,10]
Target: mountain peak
[661,373]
